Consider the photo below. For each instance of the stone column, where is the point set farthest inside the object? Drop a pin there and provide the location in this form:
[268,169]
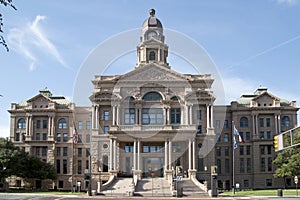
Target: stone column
[256,124]
[187,110]
[52,126]
[207,117]
[134,154]
[166,154]
[113,115]
[170,155]
[138,154]
[190,154]
[93,117]
[253,124]
[182,121]
[118,115]
[168,115]
[97,117]
[193,155]
[110,154]
[279,124]
[211,116]
[191,114]
[27,125]
[115,154]
[49,125]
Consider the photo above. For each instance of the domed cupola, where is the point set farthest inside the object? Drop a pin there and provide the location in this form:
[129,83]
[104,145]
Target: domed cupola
[152,28]
[152,48]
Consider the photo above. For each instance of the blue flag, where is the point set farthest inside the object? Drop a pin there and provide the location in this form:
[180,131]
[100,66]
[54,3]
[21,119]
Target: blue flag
[234,143]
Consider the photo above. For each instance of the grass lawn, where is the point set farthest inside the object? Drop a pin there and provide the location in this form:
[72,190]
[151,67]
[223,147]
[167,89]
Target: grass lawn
[289,192]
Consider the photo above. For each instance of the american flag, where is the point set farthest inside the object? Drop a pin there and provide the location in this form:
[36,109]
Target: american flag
[75,134]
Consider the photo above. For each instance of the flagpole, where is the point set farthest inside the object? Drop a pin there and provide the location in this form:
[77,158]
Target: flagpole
[233,148]
[72,188]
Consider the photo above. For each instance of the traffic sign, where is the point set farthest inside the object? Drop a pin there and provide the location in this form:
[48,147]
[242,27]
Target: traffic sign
[296,180]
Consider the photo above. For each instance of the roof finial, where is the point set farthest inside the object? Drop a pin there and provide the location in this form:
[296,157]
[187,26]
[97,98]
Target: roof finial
[152,12]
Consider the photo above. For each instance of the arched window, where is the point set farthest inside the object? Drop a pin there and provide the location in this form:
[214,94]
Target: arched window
[130,99]
[285,121]
[62,123]
[21,123]
[243,122]
[152,55]
[175,98]
[152,96]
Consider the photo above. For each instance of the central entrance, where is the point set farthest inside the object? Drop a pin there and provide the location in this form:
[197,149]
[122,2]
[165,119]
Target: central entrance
[153,167]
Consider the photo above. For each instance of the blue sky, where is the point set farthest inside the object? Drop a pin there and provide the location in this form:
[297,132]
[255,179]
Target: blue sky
[252,43]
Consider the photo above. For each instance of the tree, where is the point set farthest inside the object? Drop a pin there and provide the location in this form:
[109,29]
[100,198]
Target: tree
[4,3]
[17,162]
[288,163]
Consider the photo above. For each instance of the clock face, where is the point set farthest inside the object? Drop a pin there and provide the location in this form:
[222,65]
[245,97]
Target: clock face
[151,34]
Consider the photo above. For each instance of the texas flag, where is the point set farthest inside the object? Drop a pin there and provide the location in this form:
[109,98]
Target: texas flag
[236,132]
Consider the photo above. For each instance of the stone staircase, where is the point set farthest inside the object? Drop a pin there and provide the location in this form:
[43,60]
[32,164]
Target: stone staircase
[190,189]
[153,187]
[119,187]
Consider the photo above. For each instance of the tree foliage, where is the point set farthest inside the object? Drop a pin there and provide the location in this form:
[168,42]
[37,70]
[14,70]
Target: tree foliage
[10,4]
[15,161]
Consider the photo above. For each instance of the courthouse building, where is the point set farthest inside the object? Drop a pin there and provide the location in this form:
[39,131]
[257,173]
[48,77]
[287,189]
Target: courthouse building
[150,120]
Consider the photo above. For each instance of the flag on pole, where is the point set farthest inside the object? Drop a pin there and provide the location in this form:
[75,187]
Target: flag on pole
[236,132]
[234,143]
[75,134]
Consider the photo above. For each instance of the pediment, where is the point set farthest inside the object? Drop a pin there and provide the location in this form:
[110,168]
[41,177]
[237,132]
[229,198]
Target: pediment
[153,73]
[265,96]
[39,98]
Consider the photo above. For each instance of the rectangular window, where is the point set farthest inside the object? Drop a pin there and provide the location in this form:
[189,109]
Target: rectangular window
[58,137]
[249,165]
[145,149]
[65,166]
[269,135]
[199,115]
[65,151]
[87,164]
[262,164]
[58,166]
[248,150]
[88,138]
[105,129]
[248,136]
[80,125]
[199,129]
[87,152]
[79,138]
[200,164]
[88,125]
[38,136]
[44,136]
[262,150]
[242,165]
[65,139]
[262,135]
[38,123]
[57,151]
[60,184]
[227,166]
[261,122]
[23,136]
[269,182]
[128,148]
[268,122]
[269,149]
[226,125]
[226,137]
[175,115]
[106,115]
[129,116]
[241,150]
[152,116]
[217,124]
[45,123]
[37,151]
[246,183]
[17,137]
[270,160]
[226,151]
[218,151]
[44,151]
[79,167]
[79,152]
[219,166]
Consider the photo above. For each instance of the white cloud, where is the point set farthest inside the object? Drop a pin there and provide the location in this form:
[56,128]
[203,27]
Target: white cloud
[287,2]
[30,41]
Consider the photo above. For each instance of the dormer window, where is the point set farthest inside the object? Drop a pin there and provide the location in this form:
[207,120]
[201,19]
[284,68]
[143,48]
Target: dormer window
[152,55]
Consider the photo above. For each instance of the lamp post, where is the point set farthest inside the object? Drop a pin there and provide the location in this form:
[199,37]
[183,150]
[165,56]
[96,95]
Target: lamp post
[152,174]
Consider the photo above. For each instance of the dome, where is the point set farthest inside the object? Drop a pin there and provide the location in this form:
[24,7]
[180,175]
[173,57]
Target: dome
[152,21]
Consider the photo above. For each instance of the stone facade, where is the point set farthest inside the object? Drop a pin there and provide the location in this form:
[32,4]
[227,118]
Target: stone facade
[151,120]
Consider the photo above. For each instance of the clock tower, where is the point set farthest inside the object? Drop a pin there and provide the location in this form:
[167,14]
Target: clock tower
[152,48]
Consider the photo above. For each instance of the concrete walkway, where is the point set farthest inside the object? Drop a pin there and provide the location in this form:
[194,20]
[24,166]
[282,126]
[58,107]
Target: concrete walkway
[153,187]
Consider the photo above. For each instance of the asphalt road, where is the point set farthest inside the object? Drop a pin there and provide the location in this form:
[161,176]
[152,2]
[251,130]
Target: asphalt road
[18,196]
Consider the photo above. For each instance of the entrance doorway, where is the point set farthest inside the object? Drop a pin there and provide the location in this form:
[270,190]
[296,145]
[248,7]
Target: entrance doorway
[153,167]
